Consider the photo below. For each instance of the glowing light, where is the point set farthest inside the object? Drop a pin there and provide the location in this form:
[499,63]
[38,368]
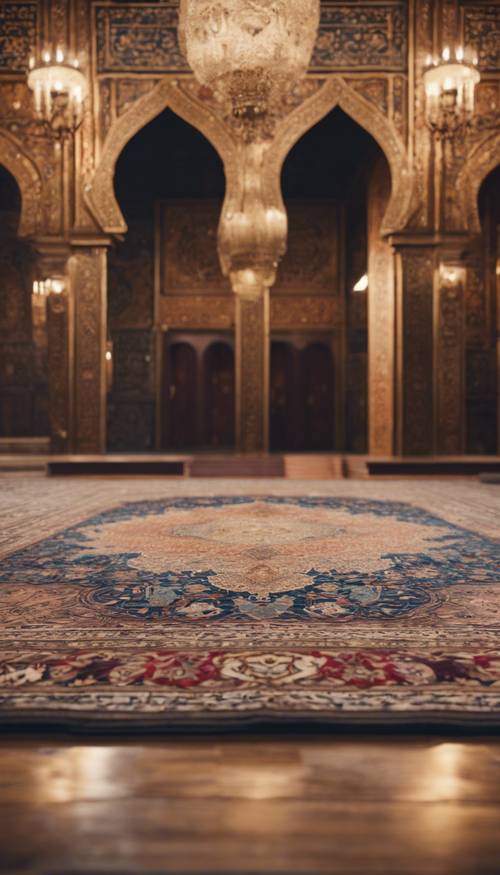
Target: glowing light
[362,284]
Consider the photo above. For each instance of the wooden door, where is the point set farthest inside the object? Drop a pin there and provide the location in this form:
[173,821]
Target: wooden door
[219,403]
[181,404]
[318,394]
[282,418]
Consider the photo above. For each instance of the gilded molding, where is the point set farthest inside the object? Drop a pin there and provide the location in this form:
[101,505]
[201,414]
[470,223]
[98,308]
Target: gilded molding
[29,181]
[100,195]
[482,159]
[336,92]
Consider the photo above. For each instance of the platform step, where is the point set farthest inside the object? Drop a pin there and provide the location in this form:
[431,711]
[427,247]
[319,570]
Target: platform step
[455,466]
[116,465]
[237,466]
[24,446]
[311,467]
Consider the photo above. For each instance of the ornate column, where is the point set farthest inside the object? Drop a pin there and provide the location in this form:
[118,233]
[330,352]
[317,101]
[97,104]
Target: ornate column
[449,357]
[52,265]
[415,353]
[381,320]
[252,368]
[252,239]
[88,281]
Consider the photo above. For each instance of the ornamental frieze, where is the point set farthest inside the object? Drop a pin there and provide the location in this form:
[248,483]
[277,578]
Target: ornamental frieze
[308,311]
[197,311]
[482,33]
[18,24]
[368,36]
[138,38]
[362,35]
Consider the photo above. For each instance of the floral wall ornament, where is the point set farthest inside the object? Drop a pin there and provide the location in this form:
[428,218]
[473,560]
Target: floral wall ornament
[249,52]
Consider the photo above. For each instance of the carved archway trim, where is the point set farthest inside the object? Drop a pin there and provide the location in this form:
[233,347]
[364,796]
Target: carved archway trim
[336,92]
[100,196]
[29,181]
[482,160]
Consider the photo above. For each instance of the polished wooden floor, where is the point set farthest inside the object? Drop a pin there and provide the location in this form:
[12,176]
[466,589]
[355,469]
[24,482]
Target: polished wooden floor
[391,806]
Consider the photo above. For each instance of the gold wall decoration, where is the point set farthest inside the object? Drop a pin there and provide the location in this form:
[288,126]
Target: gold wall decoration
[482,32]
[29,181]
[100,195]
[482,159]
[336,92]
[187,247]
[311,261]
[18,31]
[209,312]
[291,312]
[365,35]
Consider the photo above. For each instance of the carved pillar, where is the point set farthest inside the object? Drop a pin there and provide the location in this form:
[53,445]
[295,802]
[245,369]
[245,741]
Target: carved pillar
[381,319]
[252,239]
[449,359]
[414,327]
[60,370]
[52,265]
[252,371]
[87,273]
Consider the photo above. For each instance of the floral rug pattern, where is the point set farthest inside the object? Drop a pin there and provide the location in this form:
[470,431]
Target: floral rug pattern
[279,606]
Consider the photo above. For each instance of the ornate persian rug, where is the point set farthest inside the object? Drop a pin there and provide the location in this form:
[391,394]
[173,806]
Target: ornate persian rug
[205,611]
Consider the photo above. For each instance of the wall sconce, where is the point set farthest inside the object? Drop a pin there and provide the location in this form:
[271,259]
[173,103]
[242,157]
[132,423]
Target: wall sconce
[52,285]
[450,82]
[59,88]
[451,275]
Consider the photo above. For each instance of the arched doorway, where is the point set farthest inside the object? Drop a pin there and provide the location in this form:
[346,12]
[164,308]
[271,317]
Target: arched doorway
[23,336]
[319,371]
[482,352]
[169,183]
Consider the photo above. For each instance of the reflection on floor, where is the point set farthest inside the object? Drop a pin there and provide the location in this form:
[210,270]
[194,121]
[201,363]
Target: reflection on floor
[390,806]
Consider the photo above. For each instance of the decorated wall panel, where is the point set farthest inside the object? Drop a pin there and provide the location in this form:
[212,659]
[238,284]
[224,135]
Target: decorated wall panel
[482,33]
[187,241]
[311,262]
[18,35]
[143,38]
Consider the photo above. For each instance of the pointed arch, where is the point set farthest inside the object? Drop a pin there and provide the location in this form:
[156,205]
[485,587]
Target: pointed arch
[100,195]
[483,159]
[29,181]
[336,92]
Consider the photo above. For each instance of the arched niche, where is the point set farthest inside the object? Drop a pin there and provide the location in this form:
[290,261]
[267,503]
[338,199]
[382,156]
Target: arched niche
[335,93]
[482,160]
[29,181]
[100,195]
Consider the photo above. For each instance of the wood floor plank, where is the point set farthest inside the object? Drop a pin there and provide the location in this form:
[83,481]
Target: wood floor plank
[360,806]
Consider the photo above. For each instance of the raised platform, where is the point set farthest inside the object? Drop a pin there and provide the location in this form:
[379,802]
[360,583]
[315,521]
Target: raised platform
[423,466]
[170,466]
[321,466]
